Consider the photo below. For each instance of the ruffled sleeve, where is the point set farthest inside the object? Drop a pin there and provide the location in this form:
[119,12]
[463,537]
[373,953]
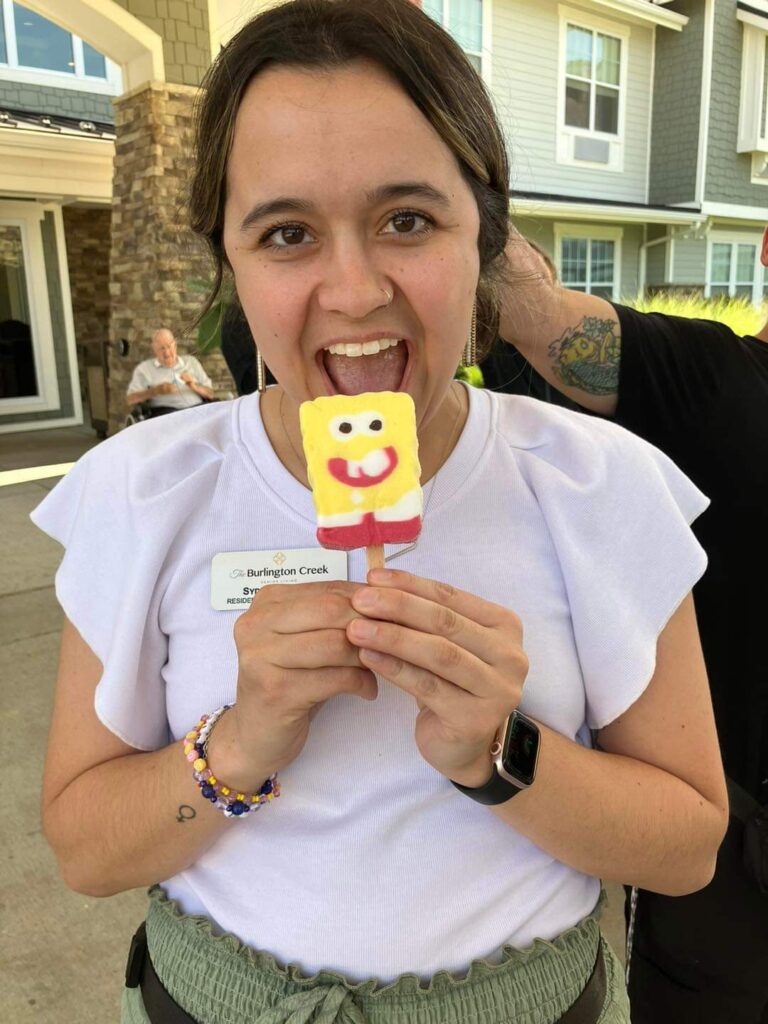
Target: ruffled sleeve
[619,513]
[116,514]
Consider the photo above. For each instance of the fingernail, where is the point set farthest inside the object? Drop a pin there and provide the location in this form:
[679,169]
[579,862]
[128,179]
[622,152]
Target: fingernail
[380,575]
[365,598]
[362,629]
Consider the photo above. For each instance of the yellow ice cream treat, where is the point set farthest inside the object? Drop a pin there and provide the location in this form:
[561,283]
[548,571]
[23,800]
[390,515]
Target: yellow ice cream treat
[363,465]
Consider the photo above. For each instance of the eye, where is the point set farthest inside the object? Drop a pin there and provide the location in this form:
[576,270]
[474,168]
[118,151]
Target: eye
[371,423]
[375,425]
[342,428]
[285,236]
[409,223]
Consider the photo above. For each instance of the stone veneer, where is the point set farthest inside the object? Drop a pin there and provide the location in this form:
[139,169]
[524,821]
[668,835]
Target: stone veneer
[87,237]
[153,255]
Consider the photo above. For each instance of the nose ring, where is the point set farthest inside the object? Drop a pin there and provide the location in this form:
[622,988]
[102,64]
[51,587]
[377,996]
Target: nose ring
[388,295]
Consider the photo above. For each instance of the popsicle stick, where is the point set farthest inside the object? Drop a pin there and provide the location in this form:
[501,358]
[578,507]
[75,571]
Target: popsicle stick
[375,556]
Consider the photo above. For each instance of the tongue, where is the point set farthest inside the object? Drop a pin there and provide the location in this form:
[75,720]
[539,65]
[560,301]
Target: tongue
[354,375]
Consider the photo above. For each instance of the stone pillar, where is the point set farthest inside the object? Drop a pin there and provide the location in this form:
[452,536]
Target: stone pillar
[153,255]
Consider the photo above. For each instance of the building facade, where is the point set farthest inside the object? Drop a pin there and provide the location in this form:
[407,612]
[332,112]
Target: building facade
[637,130]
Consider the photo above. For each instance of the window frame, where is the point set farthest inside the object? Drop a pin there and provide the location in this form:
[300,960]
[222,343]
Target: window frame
[753,103]
[566,134]
[734,239]
[591,233]
[487,49]
[12,70]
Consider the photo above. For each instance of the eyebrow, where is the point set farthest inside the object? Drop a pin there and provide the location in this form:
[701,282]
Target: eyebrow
[384,193]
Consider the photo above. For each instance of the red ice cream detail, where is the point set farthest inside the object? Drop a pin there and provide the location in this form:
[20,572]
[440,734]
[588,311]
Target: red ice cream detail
[338,470]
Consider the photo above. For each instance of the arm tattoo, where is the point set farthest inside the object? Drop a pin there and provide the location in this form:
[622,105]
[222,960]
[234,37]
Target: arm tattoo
[186,813]
[587,356]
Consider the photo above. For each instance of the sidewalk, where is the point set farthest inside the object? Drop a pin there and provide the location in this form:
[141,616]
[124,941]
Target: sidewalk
[62,955]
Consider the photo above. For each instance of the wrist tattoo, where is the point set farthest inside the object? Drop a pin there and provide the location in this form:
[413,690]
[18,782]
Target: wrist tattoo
[186,813]
[587,356]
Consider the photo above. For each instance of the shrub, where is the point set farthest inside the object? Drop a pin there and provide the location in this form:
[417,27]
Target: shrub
[739,314]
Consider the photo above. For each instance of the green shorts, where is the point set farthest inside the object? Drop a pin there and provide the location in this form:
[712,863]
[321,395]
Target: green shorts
[218,980]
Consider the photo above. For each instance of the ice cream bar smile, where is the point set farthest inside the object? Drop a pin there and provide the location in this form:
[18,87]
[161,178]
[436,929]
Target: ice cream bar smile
[368,471]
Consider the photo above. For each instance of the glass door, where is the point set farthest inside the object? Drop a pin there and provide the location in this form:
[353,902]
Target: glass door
[18,371]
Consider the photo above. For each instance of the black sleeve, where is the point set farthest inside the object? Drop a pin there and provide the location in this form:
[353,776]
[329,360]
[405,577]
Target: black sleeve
[673,372]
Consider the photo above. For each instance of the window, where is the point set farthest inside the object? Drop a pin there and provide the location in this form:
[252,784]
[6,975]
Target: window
[735,270]
[464,20]
[753,99]
[592,80]
[588,258]
[30,42]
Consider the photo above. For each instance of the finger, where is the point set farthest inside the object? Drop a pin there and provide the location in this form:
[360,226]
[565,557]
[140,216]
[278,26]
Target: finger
[304,688]
[300,607]
[486,613]
[448,702]
[319,648]
[427,616]
[436,655]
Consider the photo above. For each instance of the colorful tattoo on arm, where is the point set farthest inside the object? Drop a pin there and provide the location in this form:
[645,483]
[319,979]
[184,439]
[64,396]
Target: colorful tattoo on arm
[587,356]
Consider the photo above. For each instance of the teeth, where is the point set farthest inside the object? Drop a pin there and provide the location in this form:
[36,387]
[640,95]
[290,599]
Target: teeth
[366,348]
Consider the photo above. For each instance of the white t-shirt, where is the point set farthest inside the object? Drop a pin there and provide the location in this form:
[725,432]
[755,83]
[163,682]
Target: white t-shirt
[152,372]
[371,863]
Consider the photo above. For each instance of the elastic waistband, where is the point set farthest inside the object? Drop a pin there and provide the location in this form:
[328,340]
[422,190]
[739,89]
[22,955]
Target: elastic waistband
[217,979]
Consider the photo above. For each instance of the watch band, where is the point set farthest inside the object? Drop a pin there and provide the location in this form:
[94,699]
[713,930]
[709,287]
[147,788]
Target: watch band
[496,790]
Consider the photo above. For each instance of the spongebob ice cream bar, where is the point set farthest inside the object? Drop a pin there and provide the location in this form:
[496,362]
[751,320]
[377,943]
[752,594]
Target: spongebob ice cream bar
[363,467]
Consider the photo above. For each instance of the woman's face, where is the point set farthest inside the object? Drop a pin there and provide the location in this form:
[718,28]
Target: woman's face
[348,223]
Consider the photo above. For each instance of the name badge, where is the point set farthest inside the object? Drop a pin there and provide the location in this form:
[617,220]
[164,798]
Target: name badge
[237,576]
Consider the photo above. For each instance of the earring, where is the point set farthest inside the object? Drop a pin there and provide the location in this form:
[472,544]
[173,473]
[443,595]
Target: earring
[261,378]
[470,349]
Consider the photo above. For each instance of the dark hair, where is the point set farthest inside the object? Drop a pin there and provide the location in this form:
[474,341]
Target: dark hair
[430,67]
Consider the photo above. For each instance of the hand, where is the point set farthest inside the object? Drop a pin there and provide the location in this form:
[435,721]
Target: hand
[293,656]
[461,657]
[187,377]
[164,389]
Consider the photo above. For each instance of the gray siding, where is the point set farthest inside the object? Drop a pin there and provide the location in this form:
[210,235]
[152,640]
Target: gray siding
[630,259]
[676,107]
[524,85]
[66,403]
[690,262]
[728,172]
[41,99]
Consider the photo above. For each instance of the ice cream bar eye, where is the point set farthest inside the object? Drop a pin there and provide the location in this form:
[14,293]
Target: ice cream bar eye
[363,466]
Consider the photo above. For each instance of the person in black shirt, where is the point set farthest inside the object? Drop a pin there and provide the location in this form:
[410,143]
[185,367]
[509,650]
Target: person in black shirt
[699,392]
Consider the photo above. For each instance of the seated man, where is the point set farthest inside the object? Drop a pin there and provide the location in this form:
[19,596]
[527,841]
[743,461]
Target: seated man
[168,382]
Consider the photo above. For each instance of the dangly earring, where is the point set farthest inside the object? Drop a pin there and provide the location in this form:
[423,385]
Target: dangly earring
[261,377]
[470,349]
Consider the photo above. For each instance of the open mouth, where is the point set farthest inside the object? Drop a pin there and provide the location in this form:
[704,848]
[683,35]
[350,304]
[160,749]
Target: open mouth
[354,368]
[366,472]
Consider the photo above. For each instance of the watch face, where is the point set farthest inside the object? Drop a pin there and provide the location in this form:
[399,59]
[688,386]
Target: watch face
[521,747]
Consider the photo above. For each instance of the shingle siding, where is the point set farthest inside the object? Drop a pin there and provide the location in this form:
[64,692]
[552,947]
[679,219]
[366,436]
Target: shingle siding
[183,27]
[676,107]
[40,99]
[728,173]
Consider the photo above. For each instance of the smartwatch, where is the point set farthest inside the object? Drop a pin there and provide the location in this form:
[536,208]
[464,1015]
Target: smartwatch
[515,754]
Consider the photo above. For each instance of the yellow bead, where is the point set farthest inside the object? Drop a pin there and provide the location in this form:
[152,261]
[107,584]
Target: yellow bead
[200,764]
[225,790]
[191,736]
[212,780]
[188,748]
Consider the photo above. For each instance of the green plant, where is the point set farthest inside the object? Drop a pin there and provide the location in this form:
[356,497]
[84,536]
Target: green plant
[739,314]
[209,325]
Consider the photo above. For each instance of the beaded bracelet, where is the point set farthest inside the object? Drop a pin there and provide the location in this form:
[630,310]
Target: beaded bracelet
[223,797]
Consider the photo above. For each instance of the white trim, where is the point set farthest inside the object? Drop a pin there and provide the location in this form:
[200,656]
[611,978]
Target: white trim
[752,133]
[111,86]
[755,20]
[734,238]
[28,218]
[708,46]
[66,302]
[651,94]
[669,260]
[567,134]
[641,10]
[521,206]
[735,212]
[9,477]
[759,5]
[70,168]
[591,233]
[486,36]
[757,160]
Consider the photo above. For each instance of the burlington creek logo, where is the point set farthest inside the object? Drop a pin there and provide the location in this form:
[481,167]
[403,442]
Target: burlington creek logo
[279,558]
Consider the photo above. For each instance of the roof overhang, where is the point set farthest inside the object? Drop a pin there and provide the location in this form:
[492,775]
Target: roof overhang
[64,168]
[642,10]
[600,212]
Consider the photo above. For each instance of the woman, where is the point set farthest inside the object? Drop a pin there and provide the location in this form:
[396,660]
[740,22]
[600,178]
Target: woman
[351,176]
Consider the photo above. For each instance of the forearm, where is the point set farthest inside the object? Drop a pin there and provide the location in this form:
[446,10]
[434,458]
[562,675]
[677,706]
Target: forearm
[137,819]
[618,818]
[136,397]
[202,390]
